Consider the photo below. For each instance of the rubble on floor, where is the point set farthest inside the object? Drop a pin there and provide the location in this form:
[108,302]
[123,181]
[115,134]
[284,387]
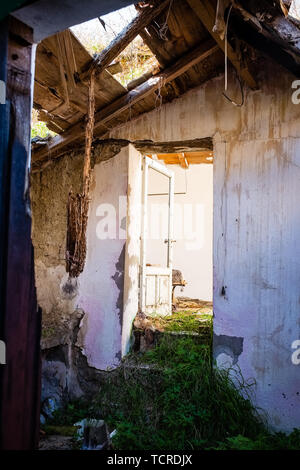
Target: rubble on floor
[56,442]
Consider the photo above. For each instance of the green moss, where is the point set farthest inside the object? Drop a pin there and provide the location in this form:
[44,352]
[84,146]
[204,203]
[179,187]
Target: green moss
[47,332]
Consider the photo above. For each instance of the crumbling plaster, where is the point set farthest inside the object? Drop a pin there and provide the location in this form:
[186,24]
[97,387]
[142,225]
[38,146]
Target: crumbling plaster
[82,318]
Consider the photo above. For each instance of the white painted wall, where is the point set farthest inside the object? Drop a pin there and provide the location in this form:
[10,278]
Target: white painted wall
[132,252]
[109,285]
[256,225]
[257,259]
[193,224]
[102,281]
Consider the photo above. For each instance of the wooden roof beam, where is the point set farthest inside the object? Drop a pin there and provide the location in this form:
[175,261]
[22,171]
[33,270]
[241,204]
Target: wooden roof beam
[123,39]
[123,103]
[205,11]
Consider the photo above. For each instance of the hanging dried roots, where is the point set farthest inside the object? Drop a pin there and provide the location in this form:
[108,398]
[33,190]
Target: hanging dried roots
[78,206]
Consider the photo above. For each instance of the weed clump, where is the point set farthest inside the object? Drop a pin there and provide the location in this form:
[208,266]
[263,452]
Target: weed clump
[176,399]
[71,413]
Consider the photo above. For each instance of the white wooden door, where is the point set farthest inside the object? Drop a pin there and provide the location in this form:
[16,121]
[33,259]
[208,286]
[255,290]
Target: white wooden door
[156,281]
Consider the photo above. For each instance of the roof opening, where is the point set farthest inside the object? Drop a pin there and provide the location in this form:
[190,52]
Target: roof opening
[96,34]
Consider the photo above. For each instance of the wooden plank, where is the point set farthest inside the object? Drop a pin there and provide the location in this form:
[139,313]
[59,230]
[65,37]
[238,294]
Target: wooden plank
[206,13]
[59,124]
[138,81]
[66,45]
[45,98]
[120,105]
[122,40]
[154,45]
[191,27]
[187,158]
[51,66]
[205,156]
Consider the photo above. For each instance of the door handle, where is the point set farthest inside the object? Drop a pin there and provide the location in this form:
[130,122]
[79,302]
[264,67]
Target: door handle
[171,241]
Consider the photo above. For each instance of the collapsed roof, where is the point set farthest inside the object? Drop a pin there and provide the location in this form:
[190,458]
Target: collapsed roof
[188,39]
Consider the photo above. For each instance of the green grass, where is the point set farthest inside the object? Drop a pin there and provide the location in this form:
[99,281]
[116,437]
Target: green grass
[72,413]
[174,398]
[182,403]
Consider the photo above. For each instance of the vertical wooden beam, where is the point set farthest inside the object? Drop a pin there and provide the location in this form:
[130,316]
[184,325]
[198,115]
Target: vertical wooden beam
[20,385]
[4,135]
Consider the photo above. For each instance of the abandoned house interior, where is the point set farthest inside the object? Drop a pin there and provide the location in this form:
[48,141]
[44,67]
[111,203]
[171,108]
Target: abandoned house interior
[172,190]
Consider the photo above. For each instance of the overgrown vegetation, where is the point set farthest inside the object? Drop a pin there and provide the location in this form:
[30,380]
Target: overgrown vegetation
[173,398]
[72,413]
[179,402]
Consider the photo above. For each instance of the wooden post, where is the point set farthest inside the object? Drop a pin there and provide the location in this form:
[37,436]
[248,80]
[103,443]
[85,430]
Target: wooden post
[20,384]
[89,136]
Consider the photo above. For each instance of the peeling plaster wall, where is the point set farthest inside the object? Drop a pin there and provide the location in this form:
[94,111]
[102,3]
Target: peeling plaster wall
[82,318]
[256,225]
[49,196]
[102,281]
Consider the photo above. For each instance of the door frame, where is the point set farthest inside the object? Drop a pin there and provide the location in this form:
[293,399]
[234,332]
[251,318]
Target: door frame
[150,163]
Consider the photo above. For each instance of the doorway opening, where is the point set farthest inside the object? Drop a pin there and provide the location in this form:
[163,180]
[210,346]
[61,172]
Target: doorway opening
[177,238]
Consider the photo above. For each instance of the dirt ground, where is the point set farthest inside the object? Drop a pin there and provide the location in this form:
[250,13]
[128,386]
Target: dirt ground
[56,443]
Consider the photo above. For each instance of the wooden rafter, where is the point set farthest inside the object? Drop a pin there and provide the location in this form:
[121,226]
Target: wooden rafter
[205,11]
[120,105]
